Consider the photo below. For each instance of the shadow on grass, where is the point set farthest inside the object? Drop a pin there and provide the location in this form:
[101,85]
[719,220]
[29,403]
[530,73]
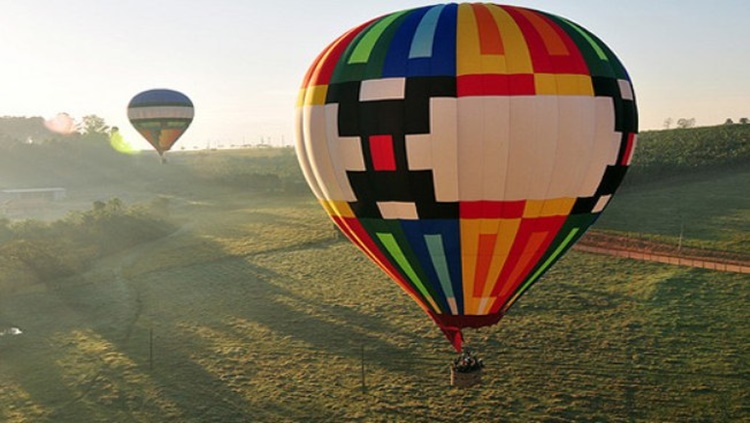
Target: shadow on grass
[210,297]
[211,294]
[248,291]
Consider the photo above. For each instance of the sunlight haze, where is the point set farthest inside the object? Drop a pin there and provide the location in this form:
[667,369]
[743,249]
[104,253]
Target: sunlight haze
[242,62]
[489,213]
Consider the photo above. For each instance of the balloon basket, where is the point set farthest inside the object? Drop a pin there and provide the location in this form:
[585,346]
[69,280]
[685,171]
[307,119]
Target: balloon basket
[466,370]
[465,379]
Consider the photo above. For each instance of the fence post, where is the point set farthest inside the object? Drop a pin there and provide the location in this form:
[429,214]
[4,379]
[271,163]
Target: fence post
[151,349]
[364,385]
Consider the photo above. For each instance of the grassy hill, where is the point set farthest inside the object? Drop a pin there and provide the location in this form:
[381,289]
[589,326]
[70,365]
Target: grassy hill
[253,310]
[687,186]
[681,153]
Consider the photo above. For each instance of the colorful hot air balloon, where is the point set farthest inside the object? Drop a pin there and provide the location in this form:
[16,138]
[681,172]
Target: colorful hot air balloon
[464,148]
[161,116]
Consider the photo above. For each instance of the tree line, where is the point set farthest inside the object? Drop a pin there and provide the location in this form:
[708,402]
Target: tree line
[30,130]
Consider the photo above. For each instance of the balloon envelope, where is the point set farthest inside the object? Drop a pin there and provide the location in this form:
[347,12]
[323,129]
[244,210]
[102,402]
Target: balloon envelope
[464,148]
[161,116]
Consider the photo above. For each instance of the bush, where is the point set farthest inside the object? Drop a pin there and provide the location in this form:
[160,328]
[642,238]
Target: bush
[68,246]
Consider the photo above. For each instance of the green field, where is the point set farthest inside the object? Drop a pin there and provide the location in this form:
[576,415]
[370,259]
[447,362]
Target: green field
[712,211]
[253,310]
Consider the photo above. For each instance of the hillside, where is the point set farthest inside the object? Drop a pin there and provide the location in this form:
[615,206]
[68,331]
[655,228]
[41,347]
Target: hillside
[688,152]
[243,305]
[660,155]
[687,188]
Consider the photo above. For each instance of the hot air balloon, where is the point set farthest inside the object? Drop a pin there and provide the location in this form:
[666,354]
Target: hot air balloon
[464,148]
[161,116]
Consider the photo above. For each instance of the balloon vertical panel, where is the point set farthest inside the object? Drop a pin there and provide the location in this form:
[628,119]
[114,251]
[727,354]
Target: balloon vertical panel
[465,147]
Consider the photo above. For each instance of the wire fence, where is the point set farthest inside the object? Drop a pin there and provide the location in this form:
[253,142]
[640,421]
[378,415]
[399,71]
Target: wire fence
[638,248]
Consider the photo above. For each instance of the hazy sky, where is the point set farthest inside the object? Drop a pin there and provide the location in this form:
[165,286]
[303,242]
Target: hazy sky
[242,61]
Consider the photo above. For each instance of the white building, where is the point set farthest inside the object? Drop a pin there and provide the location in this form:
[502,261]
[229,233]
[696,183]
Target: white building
[53,194]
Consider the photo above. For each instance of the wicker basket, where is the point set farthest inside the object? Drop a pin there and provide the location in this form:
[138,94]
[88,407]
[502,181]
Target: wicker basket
[465,379]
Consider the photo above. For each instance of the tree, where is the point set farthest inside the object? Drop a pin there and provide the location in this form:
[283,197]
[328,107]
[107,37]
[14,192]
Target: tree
[93,124]
[685,123]
[744,121]
[729,121]
[667,123]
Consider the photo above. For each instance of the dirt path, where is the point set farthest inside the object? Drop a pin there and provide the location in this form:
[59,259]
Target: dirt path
[647,250]
[116,265]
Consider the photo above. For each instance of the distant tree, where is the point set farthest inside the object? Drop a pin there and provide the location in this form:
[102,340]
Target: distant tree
[667,123]
[93,124]
[19,130]
[729,121]
[685,123]
[744,121]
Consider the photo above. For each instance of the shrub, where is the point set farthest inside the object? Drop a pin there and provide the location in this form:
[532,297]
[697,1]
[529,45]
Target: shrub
[68,246]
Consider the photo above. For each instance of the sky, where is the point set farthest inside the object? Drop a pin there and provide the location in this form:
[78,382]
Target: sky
[242,61]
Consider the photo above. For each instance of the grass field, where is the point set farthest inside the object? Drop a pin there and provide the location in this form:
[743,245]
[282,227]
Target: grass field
[257,312]
[712,210]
